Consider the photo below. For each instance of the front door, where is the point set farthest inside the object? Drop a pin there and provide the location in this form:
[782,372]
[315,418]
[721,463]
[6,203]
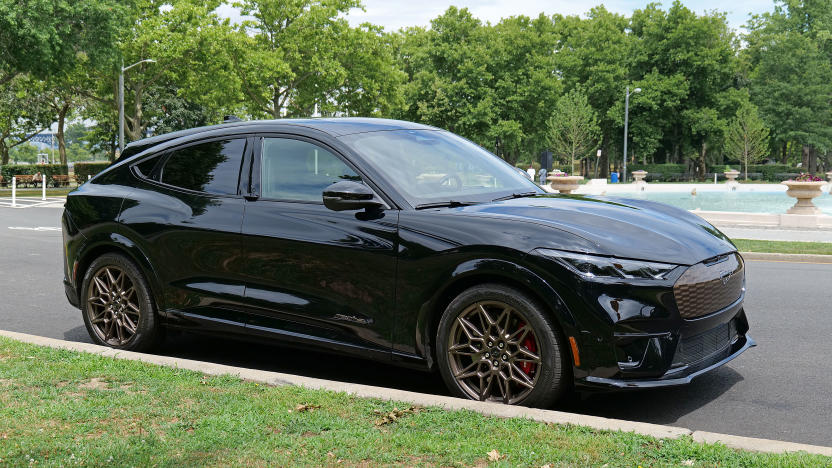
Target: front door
[313,274]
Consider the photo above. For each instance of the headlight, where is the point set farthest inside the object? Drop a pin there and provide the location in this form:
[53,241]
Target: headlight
[593,266]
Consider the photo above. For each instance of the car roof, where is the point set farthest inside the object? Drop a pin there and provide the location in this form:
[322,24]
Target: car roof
[336,127]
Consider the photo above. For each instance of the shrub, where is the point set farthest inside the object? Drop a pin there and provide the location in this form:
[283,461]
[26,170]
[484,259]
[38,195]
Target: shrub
[676,172]
[10,170]
[84,169]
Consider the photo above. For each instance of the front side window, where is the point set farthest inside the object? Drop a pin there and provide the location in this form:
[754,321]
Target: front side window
[212,167]
[299,171]
[429,166]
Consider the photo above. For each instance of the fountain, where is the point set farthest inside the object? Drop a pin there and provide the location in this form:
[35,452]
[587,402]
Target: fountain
[804,188]
[731,175]
[563,182]
[638,179]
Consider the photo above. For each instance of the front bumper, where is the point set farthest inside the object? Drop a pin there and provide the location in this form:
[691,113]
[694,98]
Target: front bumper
[671,379]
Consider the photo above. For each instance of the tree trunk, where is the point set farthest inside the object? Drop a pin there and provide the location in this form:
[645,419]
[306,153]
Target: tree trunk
[4,152]
[604,163]
[60,135]
[784,158]
[813,160]
[701,175]
[805,161]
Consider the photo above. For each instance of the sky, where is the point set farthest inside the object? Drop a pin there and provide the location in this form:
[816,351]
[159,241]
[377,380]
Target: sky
[394,14]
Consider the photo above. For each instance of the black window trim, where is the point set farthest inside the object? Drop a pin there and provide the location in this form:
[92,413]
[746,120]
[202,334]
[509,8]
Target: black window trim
[165,154]
[254,183]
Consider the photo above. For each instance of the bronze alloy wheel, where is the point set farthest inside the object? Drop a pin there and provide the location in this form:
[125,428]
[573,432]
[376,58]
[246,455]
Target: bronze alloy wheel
[113,310]
[494,353]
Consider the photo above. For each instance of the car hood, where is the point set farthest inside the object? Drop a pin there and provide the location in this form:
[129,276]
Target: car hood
[624,228]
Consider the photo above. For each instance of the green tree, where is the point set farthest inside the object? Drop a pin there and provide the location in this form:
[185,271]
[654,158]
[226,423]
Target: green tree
[491,84]
[747,136]
[23,113]
[290,56]
[573,128]
[596,54]
[46,37]
[790,58]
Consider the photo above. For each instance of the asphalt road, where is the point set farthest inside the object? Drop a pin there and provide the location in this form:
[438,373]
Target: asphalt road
[782,389]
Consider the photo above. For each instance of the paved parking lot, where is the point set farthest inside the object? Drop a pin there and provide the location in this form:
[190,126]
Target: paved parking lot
[779,390]
[31,202]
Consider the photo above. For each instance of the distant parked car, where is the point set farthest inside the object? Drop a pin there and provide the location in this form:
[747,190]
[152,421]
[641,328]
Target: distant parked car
[401,243]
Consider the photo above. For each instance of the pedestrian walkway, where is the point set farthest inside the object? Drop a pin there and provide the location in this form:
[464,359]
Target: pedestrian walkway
[32,202]
[798,235]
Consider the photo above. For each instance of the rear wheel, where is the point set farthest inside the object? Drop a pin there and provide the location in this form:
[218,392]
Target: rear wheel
[116,304]
[494,343]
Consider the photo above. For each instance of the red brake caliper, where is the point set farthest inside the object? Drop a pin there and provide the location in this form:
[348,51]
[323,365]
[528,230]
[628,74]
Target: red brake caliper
[529,344]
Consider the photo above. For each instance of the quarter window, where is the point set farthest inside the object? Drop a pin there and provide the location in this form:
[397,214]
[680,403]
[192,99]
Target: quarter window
[299,171]
[212,167]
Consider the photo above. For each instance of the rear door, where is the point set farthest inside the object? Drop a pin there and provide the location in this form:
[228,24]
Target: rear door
[313,274]
[188,212]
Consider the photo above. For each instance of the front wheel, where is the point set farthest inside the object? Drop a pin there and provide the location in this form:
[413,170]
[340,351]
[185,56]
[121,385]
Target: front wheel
[494,343]
[116,305]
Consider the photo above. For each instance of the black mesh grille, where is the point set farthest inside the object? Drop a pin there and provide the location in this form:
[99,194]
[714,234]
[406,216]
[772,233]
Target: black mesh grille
[708,287]
[697,348]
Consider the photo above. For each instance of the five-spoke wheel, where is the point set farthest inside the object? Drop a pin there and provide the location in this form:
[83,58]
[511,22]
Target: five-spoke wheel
[495,344]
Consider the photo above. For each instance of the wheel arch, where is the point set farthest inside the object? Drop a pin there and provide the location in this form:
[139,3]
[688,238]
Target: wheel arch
[117,244]
[496,271]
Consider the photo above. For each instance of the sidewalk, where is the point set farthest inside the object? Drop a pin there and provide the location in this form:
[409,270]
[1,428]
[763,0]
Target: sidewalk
[774,234]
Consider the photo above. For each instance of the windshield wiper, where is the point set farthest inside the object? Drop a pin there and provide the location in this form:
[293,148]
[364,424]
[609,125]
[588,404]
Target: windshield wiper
[517,195]
[445,204]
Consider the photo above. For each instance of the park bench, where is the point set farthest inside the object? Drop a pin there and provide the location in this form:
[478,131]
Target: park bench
[25,179]
[3,181]
[60,180]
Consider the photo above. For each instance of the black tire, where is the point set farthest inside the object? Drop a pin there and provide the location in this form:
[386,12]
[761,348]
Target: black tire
[148,332]
[550,380]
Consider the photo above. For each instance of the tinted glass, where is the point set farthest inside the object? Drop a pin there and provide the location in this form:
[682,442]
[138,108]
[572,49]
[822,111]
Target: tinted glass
[207,167]
[297,170]
[146,166]
[431,166]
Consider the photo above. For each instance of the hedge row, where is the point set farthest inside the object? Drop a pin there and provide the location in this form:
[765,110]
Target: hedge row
[84,169]
[677,172]
[10,170]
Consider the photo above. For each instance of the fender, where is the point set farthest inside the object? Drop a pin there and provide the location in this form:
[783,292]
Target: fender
[112,240]
[477,271]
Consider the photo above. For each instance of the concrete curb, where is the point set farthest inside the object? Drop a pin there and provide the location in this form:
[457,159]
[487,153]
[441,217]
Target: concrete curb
[781,257]
[422,399]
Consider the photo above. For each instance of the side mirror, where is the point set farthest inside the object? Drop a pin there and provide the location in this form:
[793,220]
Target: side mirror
[349,195]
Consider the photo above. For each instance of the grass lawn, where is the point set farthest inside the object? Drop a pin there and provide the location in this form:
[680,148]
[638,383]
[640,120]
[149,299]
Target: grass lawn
[36,192]
[63,408]
[749,245]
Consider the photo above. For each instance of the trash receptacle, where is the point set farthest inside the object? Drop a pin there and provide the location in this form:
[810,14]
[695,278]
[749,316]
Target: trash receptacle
[614,177]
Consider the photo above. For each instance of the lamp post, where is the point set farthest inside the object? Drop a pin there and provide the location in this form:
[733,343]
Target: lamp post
[626,129]
[121,102]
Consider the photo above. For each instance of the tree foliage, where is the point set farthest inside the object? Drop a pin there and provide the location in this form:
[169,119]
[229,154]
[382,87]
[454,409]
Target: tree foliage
[747,136]
[573,129]
[496,84]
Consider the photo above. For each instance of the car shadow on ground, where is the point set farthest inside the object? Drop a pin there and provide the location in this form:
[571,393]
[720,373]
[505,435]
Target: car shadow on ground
[300,362]
[658,406]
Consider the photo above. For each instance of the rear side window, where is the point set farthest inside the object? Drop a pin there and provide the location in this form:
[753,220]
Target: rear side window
[212,167]
[146,167]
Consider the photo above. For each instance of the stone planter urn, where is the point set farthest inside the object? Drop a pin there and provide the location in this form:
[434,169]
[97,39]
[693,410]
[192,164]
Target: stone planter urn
[829,176]
[804,192]
[638,177]
[564,184]
[732,178]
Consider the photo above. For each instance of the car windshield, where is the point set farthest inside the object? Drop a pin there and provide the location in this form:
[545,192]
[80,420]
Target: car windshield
[435,166]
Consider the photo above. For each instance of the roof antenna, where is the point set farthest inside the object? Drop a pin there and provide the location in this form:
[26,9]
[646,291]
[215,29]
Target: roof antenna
[231,118]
